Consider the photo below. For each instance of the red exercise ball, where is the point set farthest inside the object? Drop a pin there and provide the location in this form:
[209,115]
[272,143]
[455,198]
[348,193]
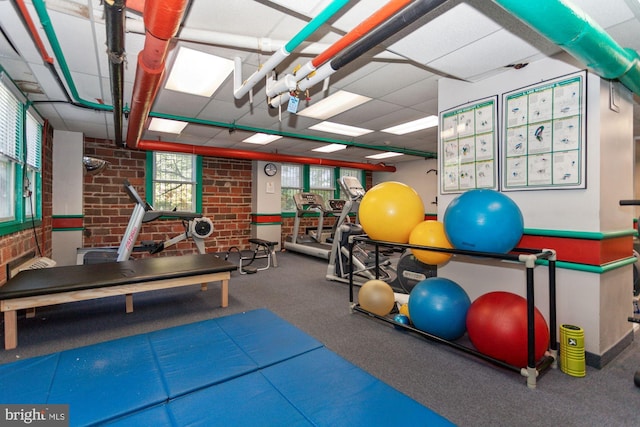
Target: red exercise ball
[497,327]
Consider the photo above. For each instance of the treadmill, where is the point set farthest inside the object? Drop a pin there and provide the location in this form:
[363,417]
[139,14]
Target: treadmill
[307,205]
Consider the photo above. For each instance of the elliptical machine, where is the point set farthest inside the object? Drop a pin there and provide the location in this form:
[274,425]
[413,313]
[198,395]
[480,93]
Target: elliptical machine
[363,261]
[402,272]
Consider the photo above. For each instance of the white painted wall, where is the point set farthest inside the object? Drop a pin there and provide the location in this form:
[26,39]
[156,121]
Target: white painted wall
[414,174]
[67,193]
[265,199]
[599,303]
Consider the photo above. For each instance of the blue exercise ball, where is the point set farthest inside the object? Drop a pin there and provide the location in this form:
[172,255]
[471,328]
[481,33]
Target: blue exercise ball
[439,306]
[483,221]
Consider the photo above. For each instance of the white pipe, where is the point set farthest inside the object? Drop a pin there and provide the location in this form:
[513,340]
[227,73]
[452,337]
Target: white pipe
[305,70]
[277,101]
[272,62]
[261,44]
[321,73]
[237,72]
[286,84]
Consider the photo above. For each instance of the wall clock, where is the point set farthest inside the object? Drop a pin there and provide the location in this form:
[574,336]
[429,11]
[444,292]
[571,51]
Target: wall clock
[270,169]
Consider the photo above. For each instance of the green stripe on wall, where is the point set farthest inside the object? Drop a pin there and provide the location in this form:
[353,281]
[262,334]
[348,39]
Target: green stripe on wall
[588,235]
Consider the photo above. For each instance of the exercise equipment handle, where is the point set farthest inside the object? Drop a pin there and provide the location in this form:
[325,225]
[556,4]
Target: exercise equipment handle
[629,202]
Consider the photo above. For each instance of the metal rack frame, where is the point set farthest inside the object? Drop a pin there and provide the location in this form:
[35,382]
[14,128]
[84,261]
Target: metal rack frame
[528,257]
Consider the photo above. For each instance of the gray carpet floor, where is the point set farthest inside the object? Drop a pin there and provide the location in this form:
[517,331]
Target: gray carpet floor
[462,388]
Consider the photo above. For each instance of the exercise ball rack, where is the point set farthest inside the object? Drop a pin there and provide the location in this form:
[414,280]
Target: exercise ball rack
[524,256]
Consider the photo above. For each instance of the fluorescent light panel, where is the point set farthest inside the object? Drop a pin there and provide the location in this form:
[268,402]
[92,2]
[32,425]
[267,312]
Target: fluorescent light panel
[384,155]
[198,73]
[261,138]
[330,148]
[413,126]
[337,103]
[167,126]
[340,129]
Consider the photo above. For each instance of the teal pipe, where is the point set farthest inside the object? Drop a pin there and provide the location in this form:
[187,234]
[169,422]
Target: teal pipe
[235,126]
[314,24]
[573,30]
[45,20]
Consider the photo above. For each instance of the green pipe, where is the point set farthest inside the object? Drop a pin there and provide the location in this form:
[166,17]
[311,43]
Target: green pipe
[45,20]
[53,40]
[572,29]
[598,269]
[410,152]
[314,24]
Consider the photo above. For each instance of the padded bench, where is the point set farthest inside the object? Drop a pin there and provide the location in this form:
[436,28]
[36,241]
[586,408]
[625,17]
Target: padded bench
[246,369]
[57,285]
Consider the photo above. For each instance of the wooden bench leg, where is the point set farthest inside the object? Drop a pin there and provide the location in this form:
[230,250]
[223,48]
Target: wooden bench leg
[31,313]
[129,302]
[225,293]
[10,329]
[203,287]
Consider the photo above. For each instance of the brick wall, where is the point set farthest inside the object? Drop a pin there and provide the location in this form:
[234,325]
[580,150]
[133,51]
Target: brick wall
[36,240]
[226,200]
[107,208]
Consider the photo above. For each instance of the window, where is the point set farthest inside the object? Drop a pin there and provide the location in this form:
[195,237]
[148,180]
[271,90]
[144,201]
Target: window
[174,182]
[20,161]
[32,169]
[291,184]
[9,151]
[322,180]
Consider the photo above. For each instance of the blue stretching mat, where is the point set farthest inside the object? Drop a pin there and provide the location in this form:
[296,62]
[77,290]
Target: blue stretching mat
[246,369]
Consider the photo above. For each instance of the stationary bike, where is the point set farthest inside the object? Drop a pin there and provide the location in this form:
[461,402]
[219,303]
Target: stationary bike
[402,272]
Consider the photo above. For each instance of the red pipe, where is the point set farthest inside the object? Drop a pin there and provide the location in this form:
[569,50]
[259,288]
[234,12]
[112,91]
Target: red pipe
[363,28]
[34,32]
[161,19]
[230,153]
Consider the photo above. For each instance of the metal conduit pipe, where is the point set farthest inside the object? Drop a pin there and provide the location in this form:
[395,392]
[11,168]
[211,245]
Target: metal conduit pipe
[162,19]
[114,16]
[574,31]
[230,153]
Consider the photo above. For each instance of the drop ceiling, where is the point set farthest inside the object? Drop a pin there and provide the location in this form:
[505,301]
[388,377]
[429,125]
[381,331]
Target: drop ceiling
[467,40]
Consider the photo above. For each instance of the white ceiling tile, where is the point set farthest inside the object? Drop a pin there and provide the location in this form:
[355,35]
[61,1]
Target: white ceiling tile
[459,27]
[80,52]
[489,53]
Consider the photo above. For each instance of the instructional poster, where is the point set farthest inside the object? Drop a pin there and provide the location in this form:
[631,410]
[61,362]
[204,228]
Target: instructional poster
[468,147]
[544,135]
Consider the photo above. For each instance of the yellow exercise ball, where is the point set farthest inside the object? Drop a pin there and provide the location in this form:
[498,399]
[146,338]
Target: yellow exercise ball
[404,309]
[389,211]
[430,233]
[377,297]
